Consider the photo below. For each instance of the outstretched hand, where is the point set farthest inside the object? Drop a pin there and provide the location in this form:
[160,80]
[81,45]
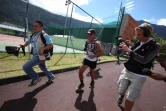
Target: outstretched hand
[163,63]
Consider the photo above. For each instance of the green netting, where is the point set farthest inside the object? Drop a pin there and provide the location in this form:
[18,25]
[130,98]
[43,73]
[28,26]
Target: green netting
[110,31]
[119,22]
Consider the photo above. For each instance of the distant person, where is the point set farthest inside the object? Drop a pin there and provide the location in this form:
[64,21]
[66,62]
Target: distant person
[93,52]
[38,49]
[142,55]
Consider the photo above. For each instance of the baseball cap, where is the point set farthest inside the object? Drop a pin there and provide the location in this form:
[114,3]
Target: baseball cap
[91,31]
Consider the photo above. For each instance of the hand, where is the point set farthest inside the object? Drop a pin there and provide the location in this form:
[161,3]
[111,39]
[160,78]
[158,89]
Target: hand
[91,56]
[18,46]
[94,51]
[163,63]
[41,51]
[128,42]
[124,47]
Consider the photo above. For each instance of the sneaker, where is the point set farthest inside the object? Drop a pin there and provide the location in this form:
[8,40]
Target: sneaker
[50,80]
[92,84]
[120,100]
[34,82]
[80,87]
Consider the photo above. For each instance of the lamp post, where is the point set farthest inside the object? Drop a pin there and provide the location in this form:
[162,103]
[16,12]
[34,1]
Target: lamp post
[26,19]
[39,15]
[67,3]
[26,25]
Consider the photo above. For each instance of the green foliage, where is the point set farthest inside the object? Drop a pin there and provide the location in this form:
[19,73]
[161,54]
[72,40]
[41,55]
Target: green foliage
[161,41]
[134,39]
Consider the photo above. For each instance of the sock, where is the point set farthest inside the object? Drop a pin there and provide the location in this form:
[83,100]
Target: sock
[164,80]
[122,96]
[82,82]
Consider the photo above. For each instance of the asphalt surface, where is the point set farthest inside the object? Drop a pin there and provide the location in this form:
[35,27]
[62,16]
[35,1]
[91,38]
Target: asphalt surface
[61,96]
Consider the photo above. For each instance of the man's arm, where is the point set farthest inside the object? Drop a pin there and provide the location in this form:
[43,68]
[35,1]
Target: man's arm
[49,46]
[25,44]
[154,75]
[148,57]
[158,76]
[99,52]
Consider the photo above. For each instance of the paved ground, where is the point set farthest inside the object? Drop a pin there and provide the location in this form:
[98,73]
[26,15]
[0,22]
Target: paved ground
[61,96]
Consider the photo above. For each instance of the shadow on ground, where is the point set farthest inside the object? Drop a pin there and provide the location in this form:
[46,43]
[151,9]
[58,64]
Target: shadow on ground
[85,105]
[26,103]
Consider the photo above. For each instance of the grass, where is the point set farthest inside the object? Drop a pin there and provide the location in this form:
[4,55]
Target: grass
[11,66]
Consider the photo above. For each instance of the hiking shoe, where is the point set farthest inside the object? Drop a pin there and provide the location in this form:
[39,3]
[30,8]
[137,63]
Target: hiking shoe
[92,84]
[50,80]
[79,88]
[34,82]
[120,100]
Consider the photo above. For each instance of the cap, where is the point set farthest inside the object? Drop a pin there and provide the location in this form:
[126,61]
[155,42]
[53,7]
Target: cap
[91,31]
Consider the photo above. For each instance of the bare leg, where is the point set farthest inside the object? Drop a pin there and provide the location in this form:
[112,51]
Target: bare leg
[128,105]
[92,73]
[81,71]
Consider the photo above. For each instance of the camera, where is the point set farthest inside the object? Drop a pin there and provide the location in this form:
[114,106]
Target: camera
[120,40]
[15,50]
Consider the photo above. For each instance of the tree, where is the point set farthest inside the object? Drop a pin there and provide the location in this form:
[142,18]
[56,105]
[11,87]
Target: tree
[162,52]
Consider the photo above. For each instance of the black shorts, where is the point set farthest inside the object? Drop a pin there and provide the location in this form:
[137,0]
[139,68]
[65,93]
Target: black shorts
[91,64]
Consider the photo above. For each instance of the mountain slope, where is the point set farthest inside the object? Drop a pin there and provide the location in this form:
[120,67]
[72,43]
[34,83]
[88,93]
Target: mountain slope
[14,11]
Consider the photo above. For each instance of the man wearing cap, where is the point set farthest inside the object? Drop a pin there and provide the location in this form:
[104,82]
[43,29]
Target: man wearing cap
[93,51]
[142,55]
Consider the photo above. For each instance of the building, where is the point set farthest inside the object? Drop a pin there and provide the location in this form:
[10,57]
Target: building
[11,30]
[127,31]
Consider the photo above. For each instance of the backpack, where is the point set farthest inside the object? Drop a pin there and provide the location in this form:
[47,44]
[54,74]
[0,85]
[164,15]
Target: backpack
[86,46]
[44,42]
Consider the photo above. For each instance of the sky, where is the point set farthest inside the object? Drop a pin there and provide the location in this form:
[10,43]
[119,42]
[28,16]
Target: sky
[105,11]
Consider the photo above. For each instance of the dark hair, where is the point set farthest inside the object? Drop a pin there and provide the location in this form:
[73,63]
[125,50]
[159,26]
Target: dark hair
[39,22]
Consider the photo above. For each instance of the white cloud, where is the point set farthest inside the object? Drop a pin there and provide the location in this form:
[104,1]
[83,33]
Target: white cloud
[129,3]
[86,18]
[116,10]
[129,6]
[157,21]
[161,21]
[130,9]
[58,7]
[152,20]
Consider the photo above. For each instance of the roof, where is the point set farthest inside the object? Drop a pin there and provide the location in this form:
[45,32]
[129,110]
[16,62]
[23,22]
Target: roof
[12,28]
